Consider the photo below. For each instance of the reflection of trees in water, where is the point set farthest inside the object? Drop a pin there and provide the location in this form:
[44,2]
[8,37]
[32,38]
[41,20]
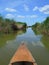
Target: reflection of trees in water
[6,37]
[36,32]
[45,40]
[19,32]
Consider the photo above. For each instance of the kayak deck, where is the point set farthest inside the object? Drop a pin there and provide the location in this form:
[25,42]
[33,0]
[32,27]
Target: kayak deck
[22,55]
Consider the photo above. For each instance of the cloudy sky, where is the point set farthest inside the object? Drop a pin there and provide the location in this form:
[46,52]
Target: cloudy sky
[29,11]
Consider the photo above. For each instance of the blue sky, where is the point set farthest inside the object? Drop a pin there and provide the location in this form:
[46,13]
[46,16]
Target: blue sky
[29,11]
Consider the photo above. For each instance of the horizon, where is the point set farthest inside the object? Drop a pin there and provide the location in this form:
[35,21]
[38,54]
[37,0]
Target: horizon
[28,11]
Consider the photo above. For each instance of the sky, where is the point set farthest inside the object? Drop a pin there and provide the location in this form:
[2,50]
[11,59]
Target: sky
[29,11]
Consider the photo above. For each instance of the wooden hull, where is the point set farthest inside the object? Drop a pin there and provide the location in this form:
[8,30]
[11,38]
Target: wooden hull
[23,54]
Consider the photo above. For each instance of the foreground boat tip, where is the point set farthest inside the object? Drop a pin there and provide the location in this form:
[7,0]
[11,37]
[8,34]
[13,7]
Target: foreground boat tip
[23,55]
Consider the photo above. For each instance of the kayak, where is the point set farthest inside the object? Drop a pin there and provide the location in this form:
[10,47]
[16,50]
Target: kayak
[22,56]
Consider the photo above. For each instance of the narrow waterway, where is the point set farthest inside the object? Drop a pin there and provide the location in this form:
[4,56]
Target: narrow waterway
[33,42]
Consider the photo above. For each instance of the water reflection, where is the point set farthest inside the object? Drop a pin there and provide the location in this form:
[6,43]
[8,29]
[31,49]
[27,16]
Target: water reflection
[33,42]
[5,38]
[38,43]
[44,38]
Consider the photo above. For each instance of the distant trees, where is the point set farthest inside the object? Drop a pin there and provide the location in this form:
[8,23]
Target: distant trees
[42,27]
[8,25]
[14,27]
[24,25]
[37,25]
[1,23]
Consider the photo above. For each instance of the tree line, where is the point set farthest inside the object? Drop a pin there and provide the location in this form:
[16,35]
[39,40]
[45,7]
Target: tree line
[42,28]
[10,25]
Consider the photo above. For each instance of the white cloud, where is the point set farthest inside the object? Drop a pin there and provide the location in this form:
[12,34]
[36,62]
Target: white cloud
[46,12]
[26,8]
[27,16]
[31,16]
[9,16]
[44,9]
[35,8]
[21,16]
[10,10]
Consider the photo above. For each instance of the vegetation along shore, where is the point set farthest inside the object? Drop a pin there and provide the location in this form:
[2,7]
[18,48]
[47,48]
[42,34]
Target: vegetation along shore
[42,28]
[10,25]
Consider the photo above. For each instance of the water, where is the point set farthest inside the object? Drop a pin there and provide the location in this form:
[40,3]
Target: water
[35,43]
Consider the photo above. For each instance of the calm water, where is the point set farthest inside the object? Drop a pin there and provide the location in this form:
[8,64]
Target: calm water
[35,43]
